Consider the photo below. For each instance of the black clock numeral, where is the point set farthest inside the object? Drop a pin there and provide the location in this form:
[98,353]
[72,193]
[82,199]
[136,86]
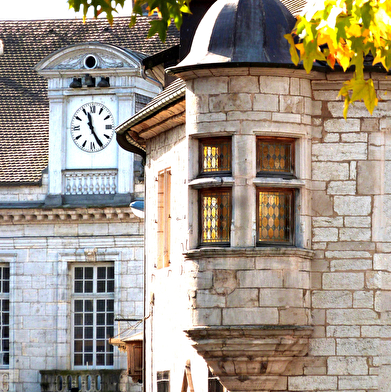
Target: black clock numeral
[100,111]
[92,146]
[93,109]
[109,126]
[84,111]
[78,118]
[78,137]
[106,136]
[108,116]
[84,144]
[76,128]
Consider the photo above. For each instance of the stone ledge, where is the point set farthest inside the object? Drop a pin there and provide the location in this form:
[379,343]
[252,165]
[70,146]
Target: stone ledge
[71,215]
[248,252]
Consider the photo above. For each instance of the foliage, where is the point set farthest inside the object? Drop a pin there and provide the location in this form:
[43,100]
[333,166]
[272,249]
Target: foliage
[344,32]
[166,10]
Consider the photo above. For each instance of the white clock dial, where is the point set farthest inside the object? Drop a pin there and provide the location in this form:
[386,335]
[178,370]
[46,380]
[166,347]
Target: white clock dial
[92,127]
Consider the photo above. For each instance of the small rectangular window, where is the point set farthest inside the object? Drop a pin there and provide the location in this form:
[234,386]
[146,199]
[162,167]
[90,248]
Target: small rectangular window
[275,216]
[215,216]
[163,381]
[275,157]
[215,156]
[4,319]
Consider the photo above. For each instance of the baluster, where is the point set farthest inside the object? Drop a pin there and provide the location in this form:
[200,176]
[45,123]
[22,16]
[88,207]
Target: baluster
[68,186]
[74,188]
[85,186]
[97,183]
[91,191]
[80,186]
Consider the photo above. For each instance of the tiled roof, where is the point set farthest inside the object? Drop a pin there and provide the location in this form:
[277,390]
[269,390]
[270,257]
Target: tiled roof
[24,107]
[295,6]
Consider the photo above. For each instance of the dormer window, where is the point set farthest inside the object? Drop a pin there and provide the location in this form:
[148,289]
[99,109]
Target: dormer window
[215,156]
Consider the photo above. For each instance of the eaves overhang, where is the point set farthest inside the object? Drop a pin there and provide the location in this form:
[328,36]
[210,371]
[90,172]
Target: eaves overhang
[164,112]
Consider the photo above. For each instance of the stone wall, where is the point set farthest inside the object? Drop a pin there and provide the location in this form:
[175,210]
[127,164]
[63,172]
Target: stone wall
[40,254]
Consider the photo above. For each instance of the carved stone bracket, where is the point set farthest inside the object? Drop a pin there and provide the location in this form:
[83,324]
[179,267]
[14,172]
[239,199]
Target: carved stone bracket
[251,357]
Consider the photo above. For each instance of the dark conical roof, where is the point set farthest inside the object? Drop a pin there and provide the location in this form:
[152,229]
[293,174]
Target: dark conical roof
[242,31]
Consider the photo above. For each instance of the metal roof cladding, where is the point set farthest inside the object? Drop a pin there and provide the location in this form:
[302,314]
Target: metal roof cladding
[239,32]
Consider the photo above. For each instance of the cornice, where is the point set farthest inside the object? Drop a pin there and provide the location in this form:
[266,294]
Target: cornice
[19,216]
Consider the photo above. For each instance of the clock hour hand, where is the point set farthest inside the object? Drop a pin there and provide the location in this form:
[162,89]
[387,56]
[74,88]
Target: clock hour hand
[92,130]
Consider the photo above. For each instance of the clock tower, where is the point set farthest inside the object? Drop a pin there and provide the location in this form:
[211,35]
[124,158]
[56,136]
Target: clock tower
[92,88]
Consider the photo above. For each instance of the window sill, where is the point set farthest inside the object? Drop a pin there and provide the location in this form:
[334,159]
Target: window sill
[278,182]
[210,182]
[248,252]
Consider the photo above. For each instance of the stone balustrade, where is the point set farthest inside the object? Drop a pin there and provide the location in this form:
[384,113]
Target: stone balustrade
[91,182]
[82,380]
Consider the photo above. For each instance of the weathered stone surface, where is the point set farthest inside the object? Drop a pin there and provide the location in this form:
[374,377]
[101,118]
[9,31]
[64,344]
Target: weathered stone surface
[352,205]
[339,151]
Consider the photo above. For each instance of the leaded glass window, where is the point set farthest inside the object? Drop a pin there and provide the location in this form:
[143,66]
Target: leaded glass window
[275,156]
[215,216]
[215,156]
[93,315]
[275,220]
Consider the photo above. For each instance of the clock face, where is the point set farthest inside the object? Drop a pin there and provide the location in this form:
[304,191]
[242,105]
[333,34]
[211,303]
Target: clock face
[92,127]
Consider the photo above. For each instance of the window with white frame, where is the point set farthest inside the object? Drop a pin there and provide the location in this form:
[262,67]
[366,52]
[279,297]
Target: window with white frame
[4,319]
[93,315]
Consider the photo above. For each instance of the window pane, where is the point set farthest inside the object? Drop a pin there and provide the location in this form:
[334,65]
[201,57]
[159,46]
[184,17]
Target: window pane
[216,216]
[101,272]
[275,155]
[215,155]
[274,216]
[101,332]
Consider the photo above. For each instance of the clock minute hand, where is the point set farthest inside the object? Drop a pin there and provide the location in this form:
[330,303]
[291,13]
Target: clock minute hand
[92,130]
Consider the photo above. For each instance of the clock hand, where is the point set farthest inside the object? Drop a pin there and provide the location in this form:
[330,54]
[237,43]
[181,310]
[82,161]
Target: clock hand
[92,130]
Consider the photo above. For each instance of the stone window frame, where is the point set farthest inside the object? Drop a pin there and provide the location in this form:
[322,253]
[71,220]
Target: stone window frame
[218,181]
[95,295]
[287,181]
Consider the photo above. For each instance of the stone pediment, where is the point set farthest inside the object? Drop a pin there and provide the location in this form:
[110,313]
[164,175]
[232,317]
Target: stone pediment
[90,58]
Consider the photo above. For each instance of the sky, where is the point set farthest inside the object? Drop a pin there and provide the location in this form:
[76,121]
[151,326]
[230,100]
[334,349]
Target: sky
[44,9]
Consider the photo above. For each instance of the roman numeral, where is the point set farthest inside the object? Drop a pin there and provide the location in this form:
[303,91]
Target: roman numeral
[92,146]
[109,126]
[93,109]
[76,128]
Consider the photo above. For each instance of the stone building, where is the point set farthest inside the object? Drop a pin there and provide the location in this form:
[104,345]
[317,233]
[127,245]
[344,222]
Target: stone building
[268,253]
[71,249]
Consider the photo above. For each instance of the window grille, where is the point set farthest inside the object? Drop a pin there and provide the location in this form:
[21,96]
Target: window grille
[93,315]
[4,320]
[163,381]
[141,101]
[215,155]
[215,216]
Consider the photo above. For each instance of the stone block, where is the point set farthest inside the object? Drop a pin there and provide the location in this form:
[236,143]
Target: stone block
[250,316]
[350,264]
[363,299]
[243,84]
[347,254]
[358,221]
[294,316]
[274,84]
[327,171]
[265,102]
[244,298]
[321,204]
[327,222]
[367,182]
[342,331]
[331,138]
[291,104]
[287,117]
[339,151]
[354,137]
[341,188]
[322,347]
[343,366]
[352,205]
[343,280]
[259,279]
[352,317]
[331,299]
[211,85]
[224,281]
[312,383]
[353,234]
[369,383]
[206,317]
[229,102]
[205,299]
[281,297]
[336,125]
[325,234]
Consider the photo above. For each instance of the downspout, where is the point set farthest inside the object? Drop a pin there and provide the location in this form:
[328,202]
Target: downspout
[150,78]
